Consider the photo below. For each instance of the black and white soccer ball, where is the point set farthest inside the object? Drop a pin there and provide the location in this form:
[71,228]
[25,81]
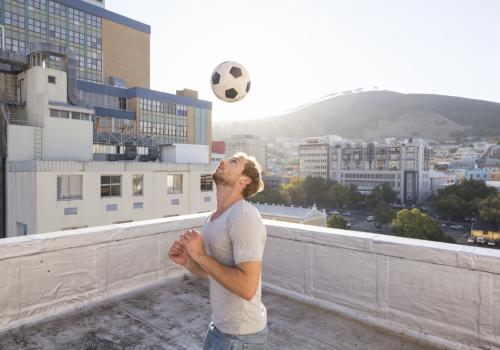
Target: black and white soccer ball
[230,81]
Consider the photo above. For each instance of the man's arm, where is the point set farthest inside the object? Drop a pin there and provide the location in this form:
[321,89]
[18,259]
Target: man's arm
[179,255]
[242,280]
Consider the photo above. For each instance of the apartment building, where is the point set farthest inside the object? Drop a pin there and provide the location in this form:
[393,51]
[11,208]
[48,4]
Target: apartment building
[404,165]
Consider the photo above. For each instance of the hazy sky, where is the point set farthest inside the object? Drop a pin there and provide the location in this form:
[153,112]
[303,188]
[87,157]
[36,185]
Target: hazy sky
[297,51]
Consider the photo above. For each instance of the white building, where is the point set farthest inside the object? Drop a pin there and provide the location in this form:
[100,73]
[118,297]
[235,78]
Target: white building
[53,182]
[314,156]
[439,180]
[404,165]
[47,196]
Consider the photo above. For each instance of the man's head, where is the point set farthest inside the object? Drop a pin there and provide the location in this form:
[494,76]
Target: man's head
[240,171]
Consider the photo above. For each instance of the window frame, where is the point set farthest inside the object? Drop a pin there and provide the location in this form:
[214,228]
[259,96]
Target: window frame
[111,185]
[172,187]
[59,184]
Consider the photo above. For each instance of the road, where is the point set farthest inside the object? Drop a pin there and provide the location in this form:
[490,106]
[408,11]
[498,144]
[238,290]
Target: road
[359,223]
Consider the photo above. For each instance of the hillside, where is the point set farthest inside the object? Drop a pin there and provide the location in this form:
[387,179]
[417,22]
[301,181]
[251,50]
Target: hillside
[377,114]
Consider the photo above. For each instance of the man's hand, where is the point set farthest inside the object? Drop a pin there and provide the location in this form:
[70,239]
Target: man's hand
[178,254]
[193,241]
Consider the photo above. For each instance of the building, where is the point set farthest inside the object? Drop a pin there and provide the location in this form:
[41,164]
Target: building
[489,231]
[314,156]
[75,87]
[299,215]
[218,151]
[439,180]
[76,194]
[249,144]
[404,165]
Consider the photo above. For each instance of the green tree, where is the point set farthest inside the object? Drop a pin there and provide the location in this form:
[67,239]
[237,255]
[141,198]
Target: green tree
[268,195]
[354,198]
[451,205]
[414,224]
[338,195]
[382,193]
[314,189]
[489,209]
[384,213]
[293,193]
[337,221]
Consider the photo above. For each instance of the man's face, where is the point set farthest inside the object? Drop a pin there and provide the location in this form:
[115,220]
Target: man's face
[229,171]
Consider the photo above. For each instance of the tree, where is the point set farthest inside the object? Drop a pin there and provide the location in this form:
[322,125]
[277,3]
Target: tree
[337,221]
[382,193]
[384,213]
[451,205]
[292,193]
[314,190]
[414,224]
[489,209]
[268,195]
[354,197]
[338,195]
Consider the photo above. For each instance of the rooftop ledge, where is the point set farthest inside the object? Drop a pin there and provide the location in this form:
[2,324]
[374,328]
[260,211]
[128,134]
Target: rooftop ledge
[417,294]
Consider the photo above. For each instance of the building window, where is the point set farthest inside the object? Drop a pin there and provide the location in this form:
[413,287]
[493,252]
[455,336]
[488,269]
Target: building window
[52,79]
[111,185]
[69,187]
[174,184]
[123,103]
[137,185]
[206,183]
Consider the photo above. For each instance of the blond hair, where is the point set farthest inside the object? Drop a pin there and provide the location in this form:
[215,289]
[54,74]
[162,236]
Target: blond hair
[253,171]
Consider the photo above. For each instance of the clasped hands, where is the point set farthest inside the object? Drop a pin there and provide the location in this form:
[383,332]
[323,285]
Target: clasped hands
[189,245]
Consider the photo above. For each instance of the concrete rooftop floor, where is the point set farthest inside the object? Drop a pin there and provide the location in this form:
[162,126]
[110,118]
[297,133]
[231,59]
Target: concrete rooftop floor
[175,315]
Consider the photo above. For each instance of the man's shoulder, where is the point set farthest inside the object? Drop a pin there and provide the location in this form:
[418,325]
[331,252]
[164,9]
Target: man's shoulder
[245,211]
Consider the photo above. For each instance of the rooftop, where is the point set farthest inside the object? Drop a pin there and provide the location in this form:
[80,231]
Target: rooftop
[175,315]
[113,287]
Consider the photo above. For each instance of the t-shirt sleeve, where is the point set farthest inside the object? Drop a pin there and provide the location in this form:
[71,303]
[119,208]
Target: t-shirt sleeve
[248,235]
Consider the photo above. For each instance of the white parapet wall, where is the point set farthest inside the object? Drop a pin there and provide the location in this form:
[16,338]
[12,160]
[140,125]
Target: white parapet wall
[47,274]
[443,294]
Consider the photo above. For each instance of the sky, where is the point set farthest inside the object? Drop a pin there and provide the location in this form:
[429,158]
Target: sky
[298,51]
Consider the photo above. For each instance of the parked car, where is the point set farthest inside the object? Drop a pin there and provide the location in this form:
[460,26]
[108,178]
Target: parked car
[492,243]
[457,227]
[467,218]
[471,240]
[443,225]
[335,212]
[370,218]
[347,213]
[481,240]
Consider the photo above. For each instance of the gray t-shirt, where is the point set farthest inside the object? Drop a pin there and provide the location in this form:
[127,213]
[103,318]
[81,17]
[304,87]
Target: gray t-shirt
[238,235]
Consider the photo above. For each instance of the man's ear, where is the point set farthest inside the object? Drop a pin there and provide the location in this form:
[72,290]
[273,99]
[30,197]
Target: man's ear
[245,180]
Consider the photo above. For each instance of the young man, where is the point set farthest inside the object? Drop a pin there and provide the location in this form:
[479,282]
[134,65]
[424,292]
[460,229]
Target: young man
[230,253]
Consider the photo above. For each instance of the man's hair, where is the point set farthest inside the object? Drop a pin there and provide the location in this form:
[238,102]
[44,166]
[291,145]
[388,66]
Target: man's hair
[253,170]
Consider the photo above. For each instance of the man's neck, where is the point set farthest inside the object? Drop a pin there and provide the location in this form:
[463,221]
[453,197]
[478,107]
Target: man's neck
[226,197]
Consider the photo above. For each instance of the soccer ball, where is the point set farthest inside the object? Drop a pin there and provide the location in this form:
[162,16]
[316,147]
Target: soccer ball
[230,81]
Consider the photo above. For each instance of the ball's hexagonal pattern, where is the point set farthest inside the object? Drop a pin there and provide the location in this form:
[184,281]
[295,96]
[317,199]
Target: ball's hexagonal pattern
[230,81]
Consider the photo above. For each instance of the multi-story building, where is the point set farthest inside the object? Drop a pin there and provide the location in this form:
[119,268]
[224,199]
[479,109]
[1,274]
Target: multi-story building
[403,165]
[74,88]
[314,156]
[249,144]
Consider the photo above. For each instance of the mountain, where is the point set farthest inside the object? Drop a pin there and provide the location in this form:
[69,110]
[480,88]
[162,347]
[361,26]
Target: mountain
[377,114]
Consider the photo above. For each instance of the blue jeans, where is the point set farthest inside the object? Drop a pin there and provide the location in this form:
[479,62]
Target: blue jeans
[216,340]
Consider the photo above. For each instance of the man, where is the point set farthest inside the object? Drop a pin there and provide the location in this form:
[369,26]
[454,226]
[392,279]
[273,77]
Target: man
[230,254]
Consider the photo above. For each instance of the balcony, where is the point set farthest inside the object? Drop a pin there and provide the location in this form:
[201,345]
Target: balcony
[113,287]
